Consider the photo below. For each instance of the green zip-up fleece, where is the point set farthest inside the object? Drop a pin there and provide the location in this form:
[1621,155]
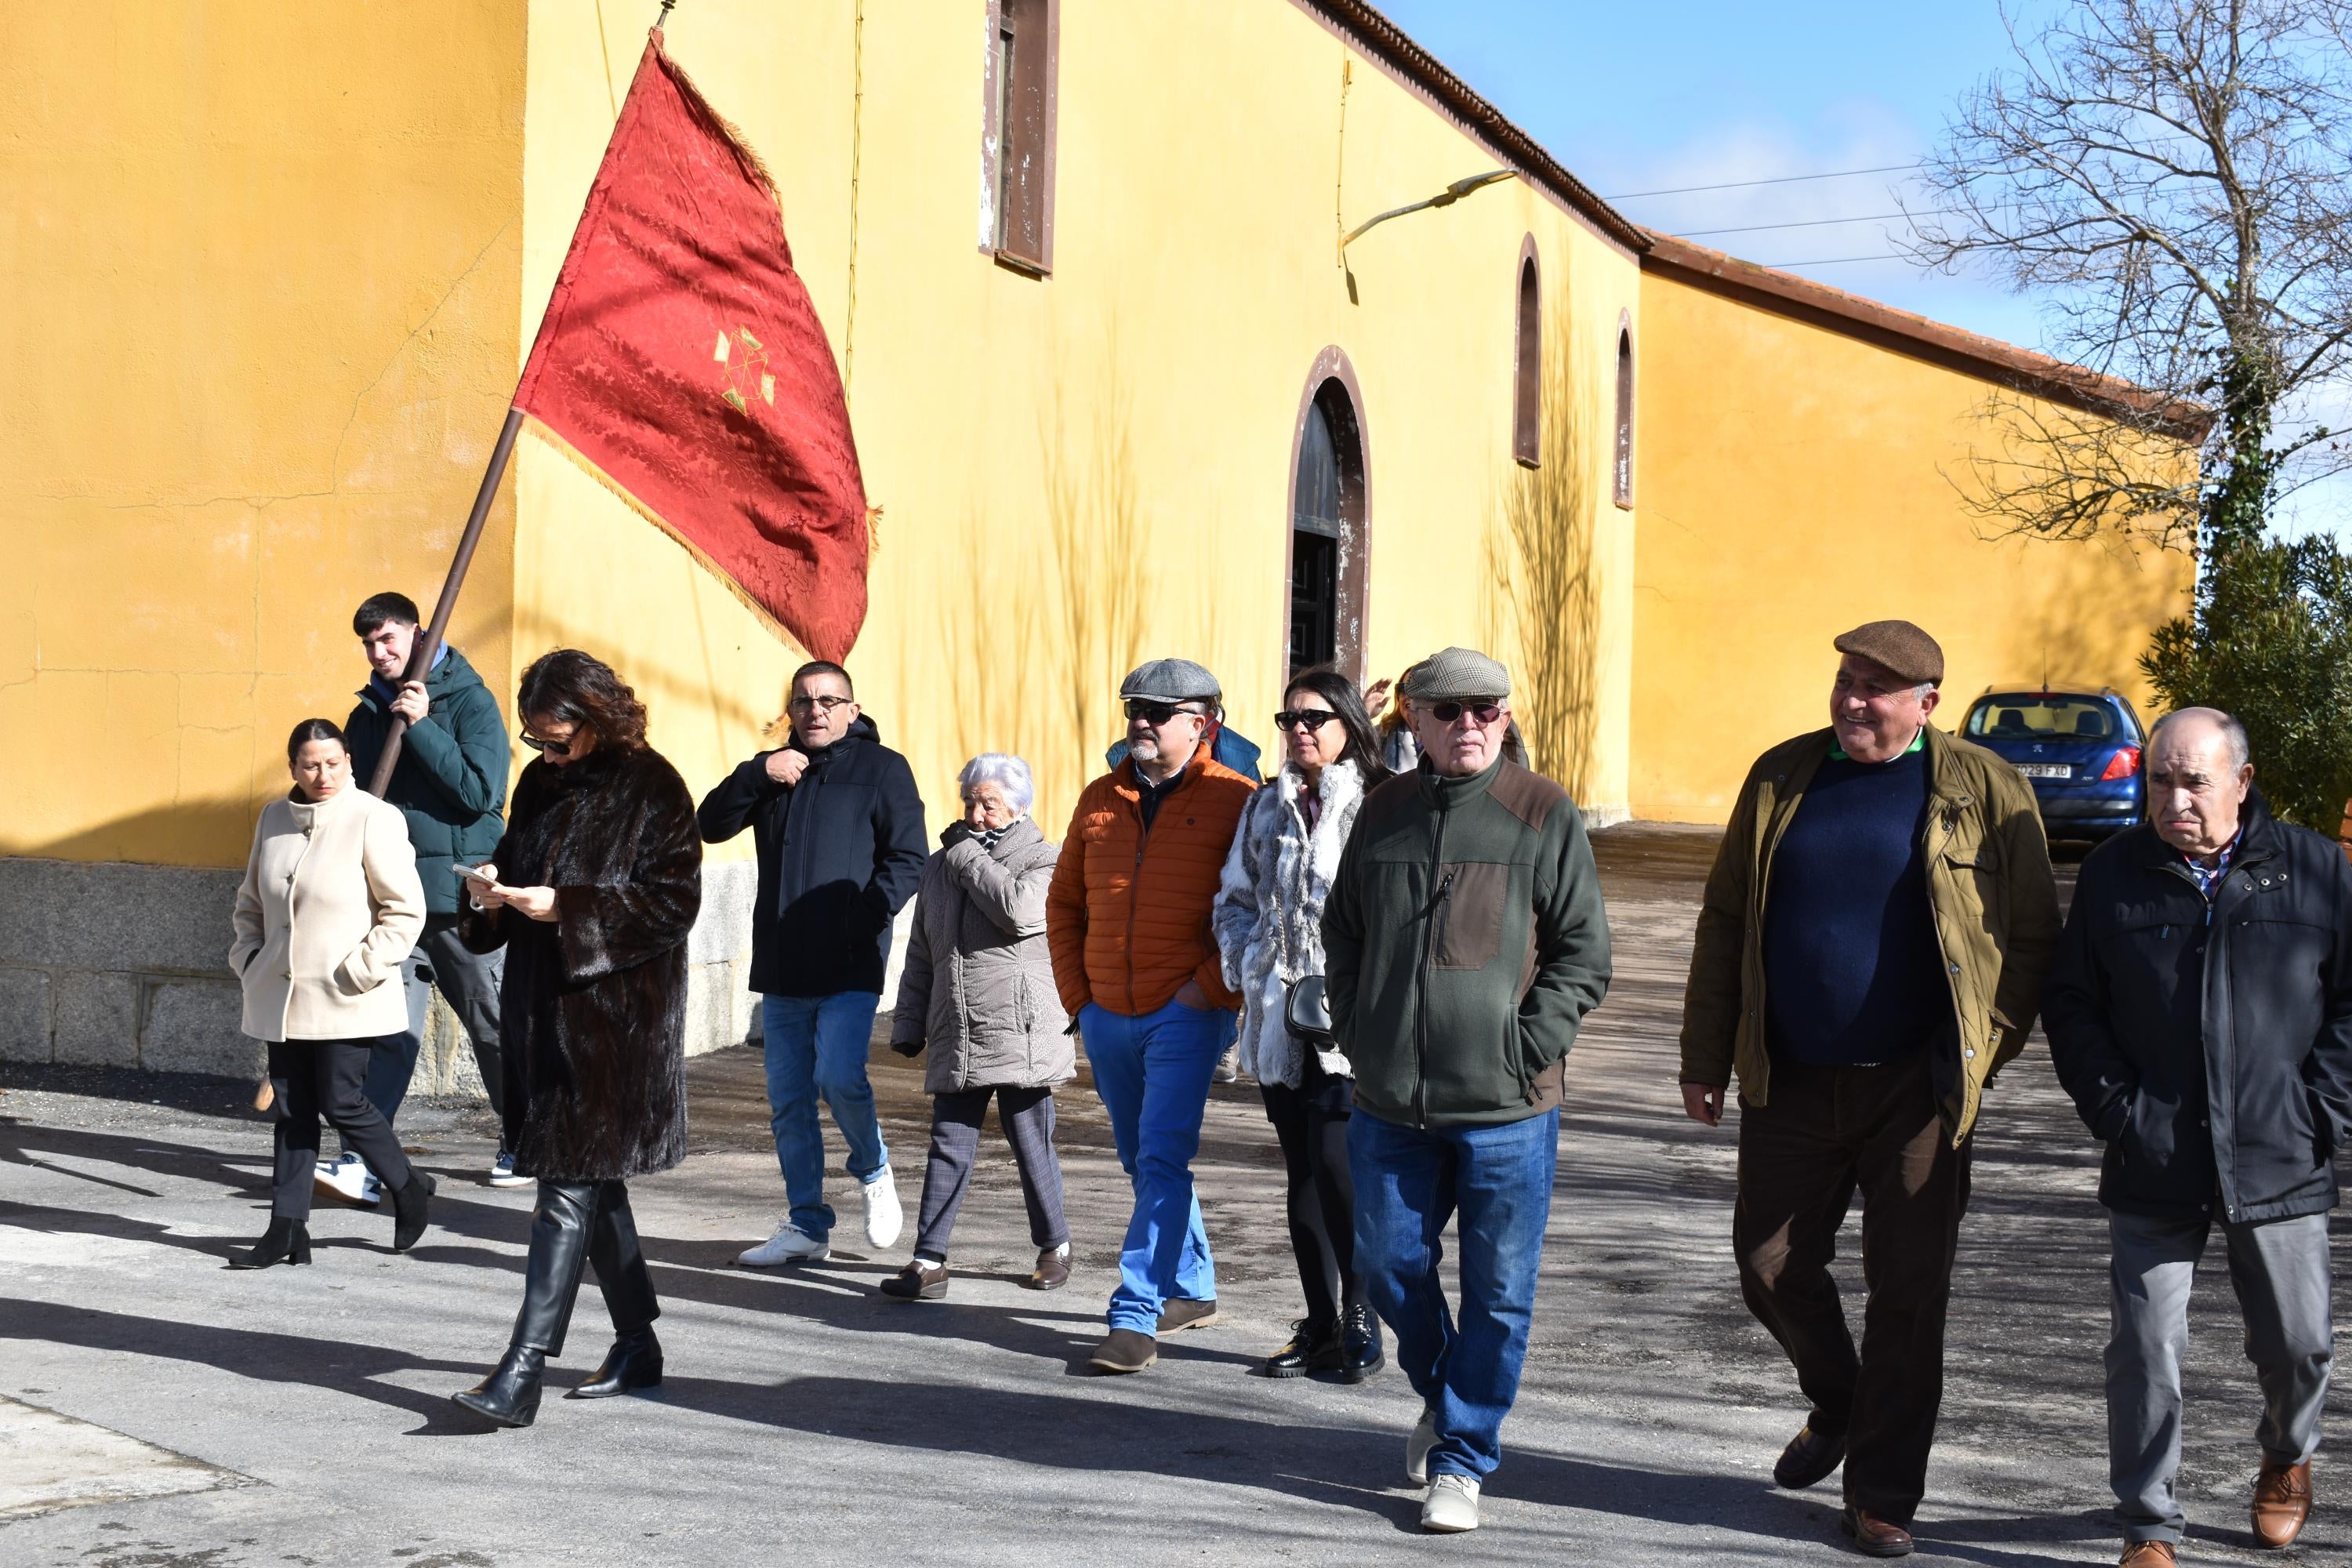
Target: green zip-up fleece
[451,779]
[1989,887]
[1464,939]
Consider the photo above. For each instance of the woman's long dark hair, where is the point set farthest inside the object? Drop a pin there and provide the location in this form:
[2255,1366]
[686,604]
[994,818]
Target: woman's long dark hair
[311,730]
[1364,747]
[580,688]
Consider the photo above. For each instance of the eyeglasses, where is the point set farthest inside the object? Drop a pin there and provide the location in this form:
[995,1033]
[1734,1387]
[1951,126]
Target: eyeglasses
[1480,713]
[549,748]
[824,703]
[1303,717]
[1158,713]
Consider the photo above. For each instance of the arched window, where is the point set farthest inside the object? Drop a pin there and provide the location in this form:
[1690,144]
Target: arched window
[1328,517]
[1527,370]
[1621,468]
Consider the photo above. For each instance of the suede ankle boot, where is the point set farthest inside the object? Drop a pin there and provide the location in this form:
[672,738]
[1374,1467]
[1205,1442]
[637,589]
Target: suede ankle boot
[286,1241]
[408,1205]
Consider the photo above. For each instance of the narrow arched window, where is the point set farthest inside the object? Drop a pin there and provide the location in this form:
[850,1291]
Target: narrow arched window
[1330,521]
[1527,371]
[1622,468]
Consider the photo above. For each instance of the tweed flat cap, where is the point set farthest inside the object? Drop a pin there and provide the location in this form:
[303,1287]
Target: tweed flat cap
[1456,672]
[1900,647]
[1169,680]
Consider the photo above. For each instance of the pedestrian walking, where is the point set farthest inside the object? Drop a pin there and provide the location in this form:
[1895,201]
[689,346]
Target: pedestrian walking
[450,783]
[594,891]
[838,826]
[1268,920]
[1871,950]
[329,907]
[978,994]
[1126,918]
[1465,941]
[2201,1016]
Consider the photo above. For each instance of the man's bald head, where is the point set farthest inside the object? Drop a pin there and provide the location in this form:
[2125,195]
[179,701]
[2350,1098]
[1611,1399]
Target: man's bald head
[2204,723]
[2199,771]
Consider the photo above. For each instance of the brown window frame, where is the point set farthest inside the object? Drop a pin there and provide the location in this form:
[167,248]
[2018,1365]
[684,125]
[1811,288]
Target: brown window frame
[1021,241]
[1621,464]
[1332,370]
[1526,358]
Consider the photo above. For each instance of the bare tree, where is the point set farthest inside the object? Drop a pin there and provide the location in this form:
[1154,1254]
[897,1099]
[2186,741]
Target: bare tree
[2175,178]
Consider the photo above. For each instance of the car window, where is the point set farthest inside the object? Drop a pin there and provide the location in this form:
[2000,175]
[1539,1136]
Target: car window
[2031,716]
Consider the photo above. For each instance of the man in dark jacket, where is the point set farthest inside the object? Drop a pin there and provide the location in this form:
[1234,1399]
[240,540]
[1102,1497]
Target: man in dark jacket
[1871,950]
[451,784]
[839,829]
[2201,1016]
[1464,941]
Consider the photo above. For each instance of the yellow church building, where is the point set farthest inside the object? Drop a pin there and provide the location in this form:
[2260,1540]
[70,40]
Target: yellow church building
[1130,375]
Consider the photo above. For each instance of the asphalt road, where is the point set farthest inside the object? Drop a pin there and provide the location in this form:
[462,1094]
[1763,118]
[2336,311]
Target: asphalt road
[302,1415]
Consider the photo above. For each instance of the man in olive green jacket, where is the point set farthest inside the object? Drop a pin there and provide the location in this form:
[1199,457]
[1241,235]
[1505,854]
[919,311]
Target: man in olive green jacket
[1464,941]
[1871,950]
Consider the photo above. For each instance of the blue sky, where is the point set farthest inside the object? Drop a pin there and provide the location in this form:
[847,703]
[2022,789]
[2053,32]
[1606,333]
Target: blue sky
[1675,93]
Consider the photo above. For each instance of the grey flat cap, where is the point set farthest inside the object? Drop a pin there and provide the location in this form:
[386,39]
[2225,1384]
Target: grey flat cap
[1457,672]
[1169,680]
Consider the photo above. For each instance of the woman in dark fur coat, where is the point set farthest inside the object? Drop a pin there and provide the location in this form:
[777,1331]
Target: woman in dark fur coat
[593,891]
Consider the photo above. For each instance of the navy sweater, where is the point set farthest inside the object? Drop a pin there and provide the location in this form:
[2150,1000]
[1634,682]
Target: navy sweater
[1852,968]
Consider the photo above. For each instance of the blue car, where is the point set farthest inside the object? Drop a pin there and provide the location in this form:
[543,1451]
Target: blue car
[2080,750]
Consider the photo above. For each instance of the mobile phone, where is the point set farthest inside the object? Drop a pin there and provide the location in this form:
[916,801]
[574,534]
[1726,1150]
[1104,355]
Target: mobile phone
[474,873]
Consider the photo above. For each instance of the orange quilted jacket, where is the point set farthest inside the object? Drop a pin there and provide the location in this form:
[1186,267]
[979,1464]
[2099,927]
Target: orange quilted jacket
[1128,913]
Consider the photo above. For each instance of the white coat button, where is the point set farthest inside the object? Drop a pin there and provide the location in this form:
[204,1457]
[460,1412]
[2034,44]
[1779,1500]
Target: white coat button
[1971,1053]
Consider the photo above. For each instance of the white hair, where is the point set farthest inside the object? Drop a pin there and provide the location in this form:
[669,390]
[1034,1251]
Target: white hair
[1006,771]
[2234,743]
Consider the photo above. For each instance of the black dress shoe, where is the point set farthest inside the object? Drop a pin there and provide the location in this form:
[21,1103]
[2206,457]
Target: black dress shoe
[1359,1344]
[1313,1347]
[634,1361]
[286,1241]
[1808,1459]
[509,1395]
[408,1206]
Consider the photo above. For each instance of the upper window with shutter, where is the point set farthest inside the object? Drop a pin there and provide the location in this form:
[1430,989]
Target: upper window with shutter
[1016,154]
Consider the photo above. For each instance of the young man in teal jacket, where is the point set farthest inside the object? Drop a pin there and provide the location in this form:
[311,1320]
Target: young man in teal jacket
[1465,941]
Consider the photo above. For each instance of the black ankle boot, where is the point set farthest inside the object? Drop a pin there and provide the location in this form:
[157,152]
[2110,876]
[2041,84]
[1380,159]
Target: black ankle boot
[634,1361]
[1313,1347]
[509,1395]
[286,1241]
[408,1206]
[1360,1355]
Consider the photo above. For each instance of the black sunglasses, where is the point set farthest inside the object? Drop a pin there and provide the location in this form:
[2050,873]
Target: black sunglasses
[548,748]
[1484,712]
[1303,717]
[1157,713]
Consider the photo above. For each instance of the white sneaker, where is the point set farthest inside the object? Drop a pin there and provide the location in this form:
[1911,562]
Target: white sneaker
[1417,1448]
[884,1217]
[1452,1506]
[787,1245]
[502,1172]
[348,1179]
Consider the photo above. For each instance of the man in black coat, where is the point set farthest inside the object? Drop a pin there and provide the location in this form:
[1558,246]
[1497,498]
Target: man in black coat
[839,828]
[2201,1016]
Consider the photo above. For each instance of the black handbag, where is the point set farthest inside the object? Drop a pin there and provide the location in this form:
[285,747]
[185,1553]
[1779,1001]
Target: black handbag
[1306,1012]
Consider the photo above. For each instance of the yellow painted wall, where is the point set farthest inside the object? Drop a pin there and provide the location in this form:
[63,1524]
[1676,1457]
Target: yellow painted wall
[261,264]
[1045,450]
[1792,483]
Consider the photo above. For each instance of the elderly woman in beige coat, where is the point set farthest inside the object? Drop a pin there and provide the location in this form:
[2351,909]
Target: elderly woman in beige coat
[978,994]
[330,906]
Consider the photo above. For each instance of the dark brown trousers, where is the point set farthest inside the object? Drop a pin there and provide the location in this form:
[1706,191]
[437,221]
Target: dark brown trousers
[1826,1133]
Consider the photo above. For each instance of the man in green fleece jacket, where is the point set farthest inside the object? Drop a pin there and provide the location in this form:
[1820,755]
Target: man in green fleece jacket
[1465,941]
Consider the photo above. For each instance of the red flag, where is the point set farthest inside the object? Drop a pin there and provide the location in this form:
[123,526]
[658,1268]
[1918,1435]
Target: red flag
[681,362]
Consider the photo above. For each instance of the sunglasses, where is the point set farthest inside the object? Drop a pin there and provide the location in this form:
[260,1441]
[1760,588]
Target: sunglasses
[1157,713]
[548,748]
[826,703]
[1303,717]
[1482,712]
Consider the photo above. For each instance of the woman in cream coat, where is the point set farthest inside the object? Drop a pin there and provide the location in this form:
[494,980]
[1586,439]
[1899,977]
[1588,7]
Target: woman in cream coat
[330,906]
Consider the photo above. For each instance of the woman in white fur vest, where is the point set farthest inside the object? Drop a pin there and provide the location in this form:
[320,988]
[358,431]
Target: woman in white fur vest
[1269,926]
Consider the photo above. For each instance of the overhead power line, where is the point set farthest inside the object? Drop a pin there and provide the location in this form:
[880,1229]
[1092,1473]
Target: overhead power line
[1803,223]
[1776,180]
[1836,260]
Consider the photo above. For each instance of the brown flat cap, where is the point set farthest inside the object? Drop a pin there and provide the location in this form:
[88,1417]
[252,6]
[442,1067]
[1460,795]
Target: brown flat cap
[1900,647]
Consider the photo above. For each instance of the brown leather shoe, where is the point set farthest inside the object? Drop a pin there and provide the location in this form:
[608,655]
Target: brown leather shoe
[1125,1351]
[1873,1536]
[1808,1460]
[1181,1314]
[1053,1270]
[918,1281]
[2282,1502]
[2146,1554]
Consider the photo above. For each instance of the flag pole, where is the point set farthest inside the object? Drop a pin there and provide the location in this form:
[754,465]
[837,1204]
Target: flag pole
[420,657]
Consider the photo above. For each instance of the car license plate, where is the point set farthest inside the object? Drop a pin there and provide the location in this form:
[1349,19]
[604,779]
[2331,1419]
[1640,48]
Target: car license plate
[2046,770]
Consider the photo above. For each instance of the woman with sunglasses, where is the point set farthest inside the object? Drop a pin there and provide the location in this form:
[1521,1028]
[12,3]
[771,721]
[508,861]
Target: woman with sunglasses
[1268,920]
[595,887]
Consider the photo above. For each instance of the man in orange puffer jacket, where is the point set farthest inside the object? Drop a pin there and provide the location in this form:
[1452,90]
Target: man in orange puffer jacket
[1126,918]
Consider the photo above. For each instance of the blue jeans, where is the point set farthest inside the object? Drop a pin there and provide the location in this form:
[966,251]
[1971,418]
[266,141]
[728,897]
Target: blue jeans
[1153,1073]
[1408,1184]
[816,1045]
